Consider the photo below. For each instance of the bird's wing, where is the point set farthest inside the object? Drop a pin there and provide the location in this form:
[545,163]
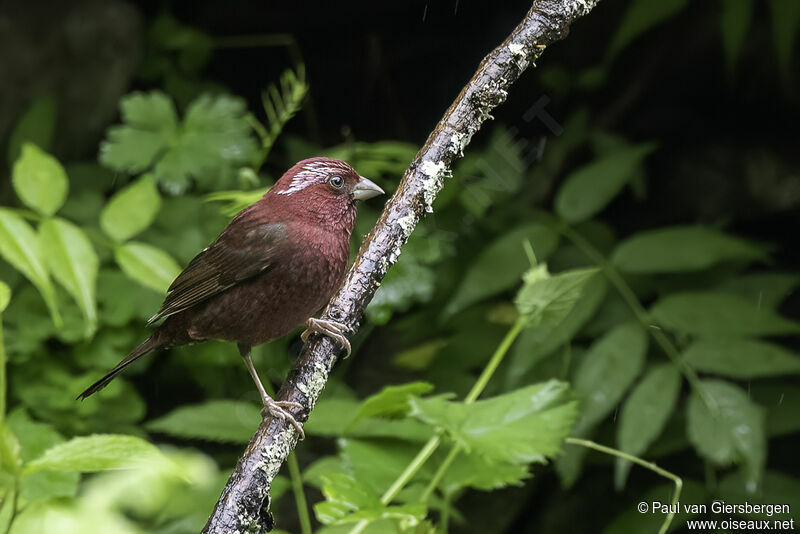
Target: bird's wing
[235,256]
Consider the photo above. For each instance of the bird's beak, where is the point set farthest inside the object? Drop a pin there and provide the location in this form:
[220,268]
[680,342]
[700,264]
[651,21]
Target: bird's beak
[365,189]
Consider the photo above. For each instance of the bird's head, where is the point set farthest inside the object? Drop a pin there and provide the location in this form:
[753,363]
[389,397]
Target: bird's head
[324,186]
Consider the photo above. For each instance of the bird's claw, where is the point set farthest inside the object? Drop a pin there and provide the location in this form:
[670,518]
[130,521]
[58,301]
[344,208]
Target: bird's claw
[328,328]
[278,409]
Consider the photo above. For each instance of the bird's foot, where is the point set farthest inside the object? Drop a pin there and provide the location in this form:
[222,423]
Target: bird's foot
[278,409]
[328,328]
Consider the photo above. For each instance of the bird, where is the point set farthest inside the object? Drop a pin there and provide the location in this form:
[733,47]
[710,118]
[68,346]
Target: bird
[269,272]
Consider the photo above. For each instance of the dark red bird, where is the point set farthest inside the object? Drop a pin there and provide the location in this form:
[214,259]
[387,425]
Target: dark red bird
[273,267]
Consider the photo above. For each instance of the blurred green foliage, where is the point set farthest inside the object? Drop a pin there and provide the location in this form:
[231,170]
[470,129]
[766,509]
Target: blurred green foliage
[648,343]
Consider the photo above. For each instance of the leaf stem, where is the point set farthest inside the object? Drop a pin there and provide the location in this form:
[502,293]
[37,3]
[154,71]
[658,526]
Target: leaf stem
[647,465]
[641,314]
[496,358]
[14,505]
[430,447]
[299,494]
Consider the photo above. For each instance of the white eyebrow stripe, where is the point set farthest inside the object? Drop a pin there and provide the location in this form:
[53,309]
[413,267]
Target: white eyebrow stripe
[312,173]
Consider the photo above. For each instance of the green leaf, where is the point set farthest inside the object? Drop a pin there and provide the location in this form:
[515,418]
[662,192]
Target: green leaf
[376,463]
[20,246]
[34,439]
[214,420]
[483,279]
[148,265]
[131,210]
[35,126]
[214,140]
[718,314]
[347,500]
[151,126]
[73,262]
[98,452]
[777,488]
[764,289]
[476,471]
[785,24]
[39,180]
[606,371]
[553,332]
[10,451]
[407,282]
[682,249]
[640,16]
[526,425]
[782,405]
[548,298]
[741,358]
[5,296]
[734,23]
[644,414]
[731,432]
[588,190]
[392,401]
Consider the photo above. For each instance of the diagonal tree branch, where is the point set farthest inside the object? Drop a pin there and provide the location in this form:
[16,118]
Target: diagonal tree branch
[244,503]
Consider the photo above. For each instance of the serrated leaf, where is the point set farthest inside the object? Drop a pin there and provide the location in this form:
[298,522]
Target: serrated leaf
[553,332]
[588,190]
[148,265]
[131,210]
[214,137]
[718,314]
[216,420]
[608,368]
[39,180]
[526,425]
[483,279]
[151,125]
[376,463]
[392,401]
[682,249]
[478,472]
[73,262]
[98,452]
[732,431]
[546,298]
[35,126]
[741,358]
[640,16]
[347,501]
[644,414]
[734,23]
[20,246]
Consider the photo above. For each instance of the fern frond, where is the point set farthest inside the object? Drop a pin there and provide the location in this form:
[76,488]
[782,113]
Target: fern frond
[281,102]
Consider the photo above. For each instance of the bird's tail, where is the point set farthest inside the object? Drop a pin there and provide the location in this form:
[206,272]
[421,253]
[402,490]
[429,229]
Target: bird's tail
[147,346]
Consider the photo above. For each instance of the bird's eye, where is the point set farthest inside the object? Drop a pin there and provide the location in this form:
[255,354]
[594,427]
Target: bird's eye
[336,182]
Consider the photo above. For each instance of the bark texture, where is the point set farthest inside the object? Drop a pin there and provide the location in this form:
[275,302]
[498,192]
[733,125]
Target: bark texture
[243,506]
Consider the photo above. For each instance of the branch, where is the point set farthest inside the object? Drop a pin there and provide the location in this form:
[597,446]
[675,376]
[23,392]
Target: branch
[244,503]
